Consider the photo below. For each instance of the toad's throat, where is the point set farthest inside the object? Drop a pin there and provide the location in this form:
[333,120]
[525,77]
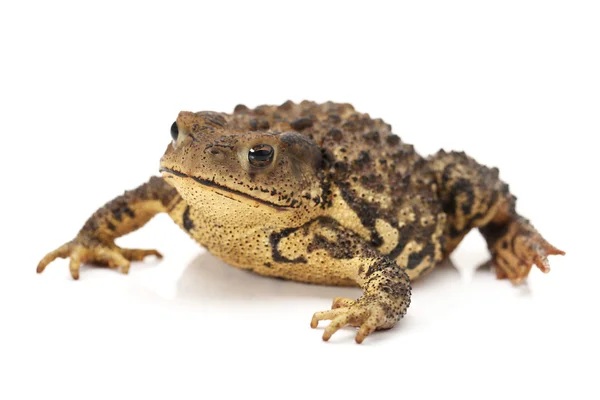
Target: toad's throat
[214,185]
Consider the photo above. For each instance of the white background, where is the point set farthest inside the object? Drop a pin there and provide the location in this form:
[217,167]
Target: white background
[88,93]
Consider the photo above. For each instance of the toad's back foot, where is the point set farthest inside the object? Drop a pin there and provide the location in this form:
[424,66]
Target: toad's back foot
[516,248]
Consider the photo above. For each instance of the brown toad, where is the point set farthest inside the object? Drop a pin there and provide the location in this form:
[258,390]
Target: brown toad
[317,193]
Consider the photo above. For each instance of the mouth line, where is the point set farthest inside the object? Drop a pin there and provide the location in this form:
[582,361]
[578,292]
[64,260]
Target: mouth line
[212,184]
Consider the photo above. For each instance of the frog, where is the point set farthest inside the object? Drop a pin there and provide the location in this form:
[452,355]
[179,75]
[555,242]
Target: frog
[322,194]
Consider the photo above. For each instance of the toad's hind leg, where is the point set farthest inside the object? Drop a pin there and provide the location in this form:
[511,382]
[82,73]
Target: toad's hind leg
[473,196]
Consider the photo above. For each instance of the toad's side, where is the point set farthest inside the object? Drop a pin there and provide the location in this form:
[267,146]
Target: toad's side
[322,194]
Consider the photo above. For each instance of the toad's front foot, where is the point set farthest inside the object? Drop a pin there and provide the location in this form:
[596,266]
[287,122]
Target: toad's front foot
[84,249]
[369,313]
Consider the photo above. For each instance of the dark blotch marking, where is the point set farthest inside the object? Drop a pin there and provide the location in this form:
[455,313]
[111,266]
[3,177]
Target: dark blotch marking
[362,161]
[287,105]
[334,118]
[392,140]
[372,182]
[188,224]
[416,258]
[493,232]
[341,249]
[256,124]
[366,212]
[301,123]
[372,136]
[335,134]
[274,240]
[240,108]
[123,209]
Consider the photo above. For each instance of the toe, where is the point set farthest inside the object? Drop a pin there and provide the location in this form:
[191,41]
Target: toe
[340,302]
[336,324]
[324,315]
[74,264]
[366,329]
[61,252]
[139,254]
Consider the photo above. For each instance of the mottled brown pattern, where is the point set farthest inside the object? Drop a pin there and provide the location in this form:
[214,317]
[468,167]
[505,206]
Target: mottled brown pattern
[318,193]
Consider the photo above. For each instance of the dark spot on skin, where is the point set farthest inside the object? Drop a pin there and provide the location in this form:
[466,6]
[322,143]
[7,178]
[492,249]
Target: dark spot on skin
[454,233]
[340,249]
[372,182]
[212,119]
[287,105]
[122,209]
[240,108]
[493,232]
[334,118]
[335,134]
[110,226]
[415,259]
[256,124]
[341,170]
[392,140]
[372,136]
[188,224]
[301,123]
[349,125]
[362,161]
[129,212]
[268,265]
[465,187]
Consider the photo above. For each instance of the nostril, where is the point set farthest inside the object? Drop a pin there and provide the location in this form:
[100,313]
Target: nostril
[174,131]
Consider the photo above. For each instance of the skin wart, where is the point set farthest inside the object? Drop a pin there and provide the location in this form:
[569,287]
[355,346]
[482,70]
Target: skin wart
[317,193]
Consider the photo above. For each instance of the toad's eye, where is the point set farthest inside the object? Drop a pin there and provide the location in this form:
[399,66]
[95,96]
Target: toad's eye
[261,155]
[174,131]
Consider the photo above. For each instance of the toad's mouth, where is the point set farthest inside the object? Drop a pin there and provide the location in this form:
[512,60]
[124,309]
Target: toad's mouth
[216,188]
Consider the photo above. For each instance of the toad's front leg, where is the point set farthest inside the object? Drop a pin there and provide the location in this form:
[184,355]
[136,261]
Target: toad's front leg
[95,242]
[386,287]
[385,299]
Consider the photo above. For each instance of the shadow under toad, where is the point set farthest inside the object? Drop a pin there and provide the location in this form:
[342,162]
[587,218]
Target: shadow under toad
[209,278]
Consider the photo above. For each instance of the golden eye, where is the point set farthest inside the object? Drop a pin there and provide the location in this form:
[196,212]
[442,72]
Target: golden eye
[261,155]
